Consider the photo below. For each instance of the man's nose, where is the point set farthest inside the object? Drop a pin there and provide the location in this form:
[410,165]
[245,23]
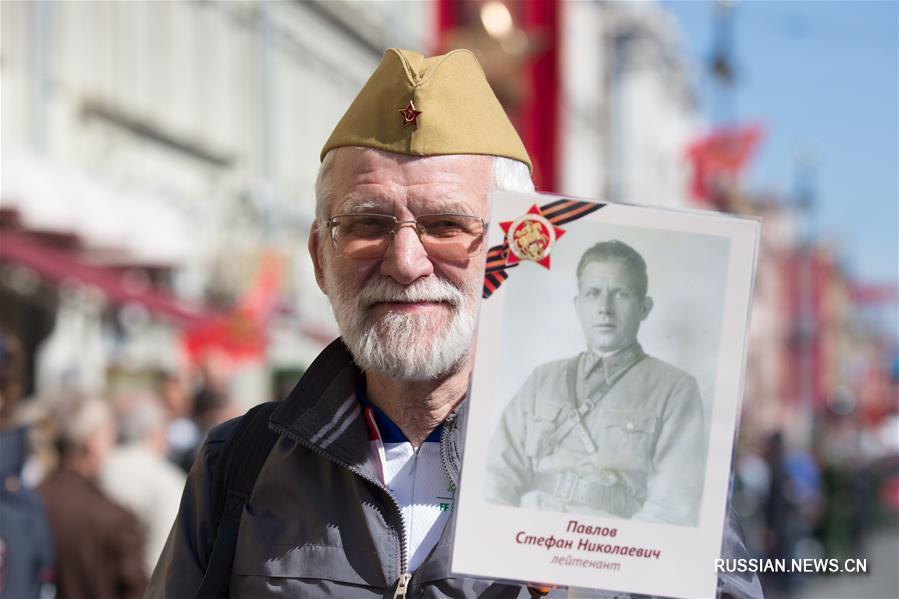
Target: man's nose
[406,259]
[604,305]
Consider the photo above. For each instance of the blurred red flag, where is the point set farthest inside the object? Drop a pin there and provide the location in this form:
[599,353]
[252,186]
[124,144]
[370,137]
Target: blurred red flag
[721,156]
[241,334]
[874,293]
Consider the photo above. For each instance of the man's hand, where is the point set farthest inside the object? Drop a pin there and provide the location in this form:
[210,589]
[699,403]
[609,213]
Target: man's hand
[540,589]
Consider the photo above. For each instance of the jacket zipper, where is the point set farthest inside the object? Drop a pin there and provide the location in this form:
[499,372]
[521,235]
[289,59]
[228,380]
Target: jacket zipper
[405,577]
[402,586]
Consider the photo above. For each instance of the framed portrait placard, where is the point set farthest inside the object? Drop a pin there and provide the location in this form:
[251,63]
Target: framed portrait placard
[605,395]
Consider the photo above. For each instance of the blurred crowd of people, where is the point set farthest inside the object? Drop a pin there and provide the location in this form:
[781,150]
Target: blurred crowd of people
[91,482]
[826,501]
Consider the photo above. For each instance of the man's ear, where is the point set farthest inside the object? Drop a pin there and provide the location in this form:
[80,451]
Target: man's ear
[646,307]
[315,252]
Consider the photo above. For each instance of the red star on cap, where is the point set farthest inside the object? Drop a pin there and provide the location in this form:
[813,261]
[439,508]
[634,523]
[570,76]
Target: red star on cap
[410,115]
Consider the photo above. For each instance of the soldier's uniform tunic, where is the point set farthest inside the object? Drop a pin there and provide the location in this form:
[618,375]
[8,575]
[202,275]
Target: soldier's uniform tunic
[621,435]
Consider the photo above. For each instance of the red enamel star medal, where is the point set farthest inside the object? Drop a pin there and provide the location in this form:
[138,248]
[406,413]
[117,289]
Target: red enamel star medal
[530,237]
[410,115]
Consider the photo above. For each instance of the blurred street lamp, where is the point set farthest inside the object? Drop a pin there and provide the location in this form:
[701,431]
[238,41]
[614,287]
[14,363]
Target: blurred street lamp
[502,47]
[721,62]
[722,59]
[498,23]
[807,323]
[497,19]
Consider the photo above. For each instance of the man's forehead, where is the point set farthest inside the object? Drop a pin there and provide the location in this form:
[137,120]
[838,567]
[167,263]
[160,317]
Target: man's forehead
[608,269]
[362,161]
[361,202]
[364,176]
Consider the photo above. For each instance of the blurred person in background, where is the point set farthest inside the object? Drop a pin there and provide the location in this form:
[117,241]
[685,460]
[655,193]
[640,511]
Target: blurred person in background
[886,467]
[807,494]
[752,478]
[846,485]
[11,365]
[211,403]
[779,511]
[26,547]
[98,543]
[212,407]
[182,433]
[214,378]
[792,504]
[139,477]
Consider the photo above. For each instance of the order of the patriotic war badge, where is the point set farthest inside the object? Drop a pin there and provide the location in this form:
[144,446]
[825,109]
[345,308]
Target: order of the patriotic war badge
[530,237]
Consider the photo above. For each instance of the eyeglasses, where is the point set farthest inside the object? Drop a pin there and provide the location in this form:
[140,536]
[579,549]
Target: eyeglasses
[444,236]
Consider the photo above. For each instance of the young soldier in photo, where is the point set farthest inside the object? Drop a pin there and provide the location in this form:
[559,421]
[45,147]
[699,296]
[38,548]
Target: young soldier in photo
[611,431]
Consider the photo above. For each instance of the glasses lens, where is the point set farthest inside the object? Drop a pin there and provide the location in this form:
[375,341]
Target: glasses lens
[362,235]
[444,226]
[451,236]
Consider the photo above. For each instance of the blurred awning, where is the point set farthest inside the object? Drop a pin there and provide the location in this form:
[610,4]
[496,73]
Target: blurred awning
[60,265]
[123,219]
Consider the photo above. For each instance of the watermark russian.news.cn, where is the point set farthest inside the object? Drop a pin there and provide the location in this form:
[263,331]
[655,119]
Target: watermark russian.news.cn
[804,565]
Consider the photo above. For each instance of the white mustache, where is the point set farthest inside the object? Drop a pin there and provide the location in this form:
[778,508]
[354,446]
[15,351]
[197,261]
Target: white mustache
[431,289]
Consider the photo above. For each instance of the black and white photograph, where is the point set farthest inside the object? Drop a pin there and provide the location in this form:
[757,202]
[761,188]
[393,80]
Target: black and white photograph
[611,420]
[605,387]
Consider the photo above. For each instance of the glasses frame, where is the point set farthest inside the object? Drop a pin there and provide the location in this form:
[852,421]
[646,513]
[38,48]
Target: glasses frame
[332,224]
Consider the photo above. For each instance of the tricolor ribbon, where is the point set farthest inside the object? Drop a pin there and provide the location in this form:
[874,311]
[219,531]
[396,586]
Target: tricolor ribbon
[558,212]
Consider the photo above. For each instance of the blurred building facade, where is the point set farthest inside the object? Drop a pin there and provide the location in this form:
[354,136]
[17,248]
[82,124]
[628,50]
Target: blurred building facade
[628,108]
[171,146]
[599,91]
[163,150]
[162,153]
[812,356]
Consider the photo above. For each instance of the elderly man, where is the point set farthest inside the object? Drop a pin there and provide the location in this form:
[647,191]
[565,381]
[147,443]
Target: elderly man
[354,498]
[624,436]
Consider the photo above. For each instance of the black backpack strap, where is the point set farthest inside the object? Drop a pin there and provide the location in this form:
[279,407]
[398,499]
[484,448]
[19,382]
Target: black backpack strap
[235,475]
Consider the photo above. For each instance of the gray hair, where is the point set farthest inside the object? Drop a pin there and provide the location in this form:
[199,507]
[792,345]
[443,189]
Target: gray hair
[81,418]
[508,175]
[139,417]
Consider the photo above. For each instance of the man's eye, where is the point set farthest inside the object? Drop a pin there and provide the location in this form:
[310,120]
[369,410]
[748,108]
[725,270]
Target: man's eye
[366,226]
[445,227]
[622,295]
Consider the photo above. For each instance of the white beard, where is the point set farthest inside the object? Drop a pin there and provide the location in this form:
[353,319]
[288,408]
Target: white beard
[403,345]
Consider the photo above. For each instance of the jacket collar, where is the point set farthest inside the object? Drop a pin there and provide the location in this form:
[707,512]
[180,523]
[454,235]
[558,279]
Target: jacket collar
[323,413]
[611,364]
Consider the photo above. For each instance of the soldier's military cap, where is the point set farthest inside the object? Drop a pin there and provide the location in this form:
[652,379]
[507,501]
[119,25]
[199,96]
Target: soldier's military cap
[428,106]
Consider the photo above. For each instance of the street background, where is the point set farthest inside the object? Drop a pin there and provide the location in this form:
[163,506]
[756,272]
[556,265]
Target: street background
[158,163]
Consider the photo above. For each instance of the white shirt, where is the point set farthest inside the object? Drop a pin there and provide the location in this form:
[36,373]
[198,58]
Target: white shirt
[417,480]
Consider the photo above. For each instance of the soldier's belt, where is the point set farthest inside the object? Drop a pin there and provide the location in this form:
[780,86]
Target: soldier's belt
[570,488]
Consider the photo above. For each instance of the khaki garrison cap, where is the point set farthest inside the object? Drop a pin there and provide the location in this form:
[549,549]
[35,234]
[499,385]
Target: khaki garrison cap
[428,106]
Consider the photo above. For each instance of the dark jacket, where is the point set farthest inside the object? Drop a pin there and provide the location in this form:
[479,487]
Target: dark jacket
[98,543]
[26,548]
[319,524]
